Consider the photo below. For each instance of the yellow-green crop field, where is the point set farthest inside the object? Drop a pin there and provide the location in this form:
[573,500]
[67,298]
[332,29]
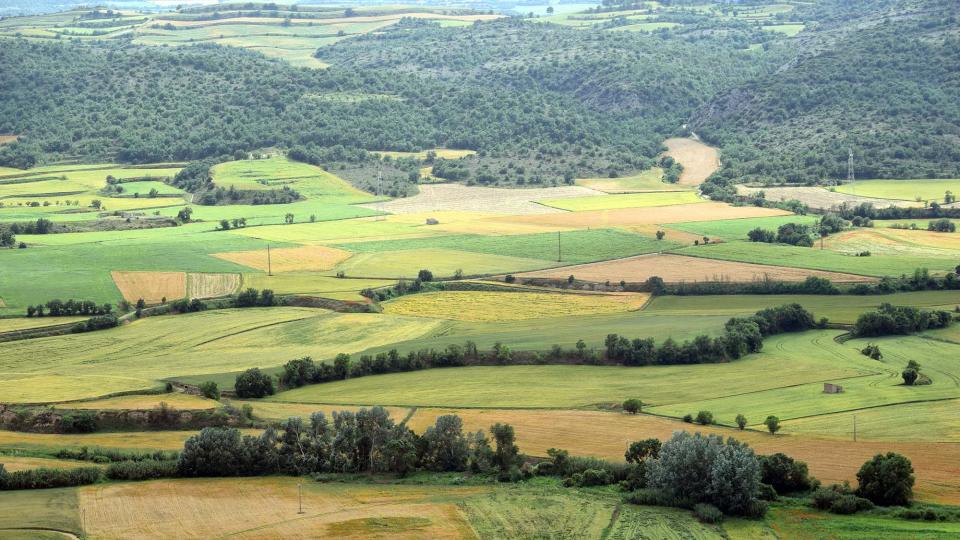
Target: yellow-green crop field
[903,190]
[502,306]
[627,200]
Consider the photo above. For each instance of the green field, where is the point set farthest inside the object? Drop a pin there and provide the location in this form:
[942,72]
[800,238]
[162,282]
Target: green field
[136,356]
[816,259]
[648,180]
[839,309]
[56,509]
[626,200]
[904,190]
[925,421]
[737,229]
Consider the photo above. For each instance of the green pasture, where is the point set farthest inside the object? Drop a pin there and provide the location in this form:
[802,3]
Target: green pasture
[143,189]
[737,229]
[136,356]
[646,27]
[923,421]
[55,509]
[803,522]
[648,180]
[82,271]
[444,263]
[904,190]
[838,309]
[625,200]
[816,259]
[311,284]
[336,231]
[564,386]
[576,246]
[876,383]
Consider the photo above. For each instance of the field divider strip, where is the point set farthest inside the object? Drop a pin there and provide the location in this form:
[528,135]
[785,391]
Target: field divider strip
[256,328]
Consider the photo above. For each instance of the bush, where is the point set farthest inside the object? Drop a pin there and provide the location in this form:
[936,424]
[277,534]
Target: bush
[707,513]
[688,418]
[253,383]
[210,390]
[593,477]
[49,478]
[141,470]
[79,422]
[849,504]
[785,474]
[823,498]
[887,480]
[766,492]
[632,405]
[704,418]
[656,497]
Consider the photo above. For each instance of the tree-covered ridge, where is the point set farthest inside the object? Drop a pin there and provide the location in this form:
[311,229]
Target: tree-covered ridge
[884,84]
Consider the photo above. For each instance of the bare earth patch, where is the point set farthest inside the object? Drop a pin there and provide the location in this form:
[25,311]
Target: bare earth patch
[304,258]
[153,287]
[677,268]
[818,197]
[212,285]
[7,139]
[699,160]
[481,199]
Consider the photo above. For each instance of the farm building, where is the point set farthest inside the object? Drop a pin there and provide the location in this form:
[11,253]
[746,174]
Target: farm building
[830,388]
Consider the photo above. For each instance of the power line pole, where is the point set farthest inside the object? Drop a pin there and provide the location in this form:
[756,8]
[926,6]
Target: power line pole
[269,266]
[300,496]
[850,175]
[380,191]
[559,251]
[854,428]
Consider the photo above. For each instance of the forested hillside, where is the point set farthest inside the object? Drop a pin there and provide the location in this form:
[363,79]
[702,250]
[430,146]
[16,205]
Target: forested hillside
[880,78]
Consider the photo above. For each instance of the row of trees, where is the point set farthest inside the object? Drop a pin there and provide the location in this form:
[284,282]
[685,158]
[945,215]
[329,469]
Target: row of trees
[741,336]
[899,320]
[59,308]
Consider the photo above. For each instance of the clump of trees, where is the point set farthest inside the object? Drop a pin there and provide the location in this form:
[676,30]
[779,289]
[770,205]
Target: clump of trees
[796,234]
[70,308]
[254,298]
[899,320]
[911,375]
[100,322]
[942,225]
[254,383]
[873,351]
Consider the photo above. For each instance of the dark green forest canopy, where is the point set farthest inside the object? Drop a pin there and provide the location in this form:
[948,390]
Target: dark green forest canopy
[880,78]
[502,88]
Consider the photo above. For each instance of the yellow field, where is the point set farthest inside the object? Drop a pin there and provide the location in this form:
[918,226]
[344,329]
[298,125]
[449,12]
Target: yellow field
[886,241]
[36,388]
[344,230]
[126,440]
[7,139]
[212,285]
[465,222]
[510,306]
[443,263]
[153,287]
[267,508]
[699,160]
[23,323]
[606,435]
[678,268]
[272,410]
[22,463]
[625,200]
[445,153]
[628,217]
[177,400]
[304,258]
[649,180]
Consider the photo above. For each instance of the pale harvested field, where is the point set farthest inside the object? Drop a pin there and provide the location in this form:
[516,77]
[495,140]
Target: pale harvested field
[510,306]
[699,160]
[485,223]
[895,242]
[267,508]
[274,410]
[22,463]
[629,217]
[606,435]
[678,268]
[304,258]
[212,285]
[153,287]
[818,197]
[7,139]
[339,20]
[177,400]
[457,197]
[128,440]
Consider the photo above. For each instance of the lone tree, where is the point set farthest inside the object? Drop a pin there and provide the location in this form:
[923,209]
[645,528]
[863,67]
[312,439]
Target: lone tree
[773,424]
[661,234]
[507,454]
[741,421]
[253,383]
[425,275]
[632,406]
[887,480]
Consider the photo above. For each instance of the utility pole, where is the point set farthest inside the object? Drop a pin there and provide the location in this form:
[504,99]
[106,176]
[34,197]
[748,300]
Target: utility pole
[380,191]
[269,265]
[850,175]
[854,428]
[300,496]
[559,251]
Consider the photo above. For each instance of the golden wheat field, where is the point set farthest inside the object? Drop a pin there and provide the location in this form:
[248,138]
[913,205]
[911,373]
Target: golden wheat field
[212,285]
[507,306]
[626,217]
[294,259]
[13,463]
[153,287]
[177,400]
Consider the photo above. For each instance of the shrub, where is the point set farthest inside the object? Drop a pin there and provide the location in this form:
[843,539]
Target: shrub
[79,422]
[849,504]
[784,474]
[141,470]
[594,477]
[707,513]
[886,480]
[704,418]
[253,383]
[823,498]
[688,418]
[766,492]
[741,421]
[49,478]
[632,406]
[773,424]
[656,497]
[210,390]
[641,450]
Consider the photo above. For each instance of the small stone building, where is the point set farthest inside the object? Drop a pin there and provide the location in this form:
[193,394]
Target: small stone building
[432,221]
[830,388]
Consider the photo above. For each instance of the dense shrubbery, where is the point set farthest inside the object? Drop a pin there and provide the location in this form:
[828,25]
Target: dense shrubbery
[811,285]
[254,298]
[785,474]
[894,320]
[96,323]
[48,478]
[253,383]
[887,480]
[147,469]
[70,308]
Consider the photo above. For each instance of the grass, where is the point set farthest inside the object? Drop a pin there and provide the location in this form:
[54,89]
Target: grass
[840,309]
[904,190]
[625,200]
[737,229]
[926,421]
[292,259]
[581,386]
[805,524]
[816,259]
[56,509]
[648,180]
[501,306]
[310,284]
[137,356]
[21,323]
[442,262]
[177,400]
[13,463]
[576,246]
